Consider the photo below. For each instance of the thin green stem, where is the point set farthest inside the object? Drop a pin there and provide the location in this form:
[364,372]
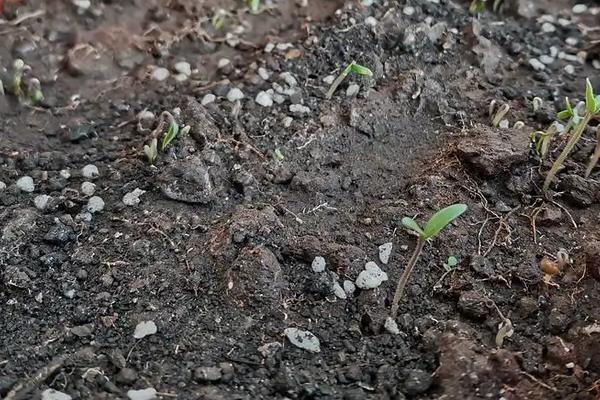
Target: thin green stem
[579,129]
[596,156]
[338,81]
[404,278]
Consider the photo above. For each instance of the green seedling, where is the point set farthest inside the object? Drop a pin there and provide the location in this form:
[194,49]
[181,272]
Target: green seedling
[434,226]
[536,104]
[542,141]
[219,18]
[34,91]
[477,6]
[170,135]
[279,155]
[499,115]
[351,68]
[592,110]
[151,151]
[16,84]
[451,263]
[518,125]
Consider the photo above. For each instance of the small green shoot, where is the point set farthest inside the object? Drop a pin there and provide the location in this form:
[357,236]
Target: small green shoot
[219,18]
[536,104]
[477,6]
[170,135]
[151,151]
[592,110]
[502,111]
[254,5]
[353,67]
[542,141]
[34,91]
[434,226]
[279,155]
[451,263]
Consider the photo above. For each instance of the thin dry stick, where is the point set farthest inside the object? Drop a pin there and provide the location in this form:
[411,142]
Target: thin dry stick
[404,278]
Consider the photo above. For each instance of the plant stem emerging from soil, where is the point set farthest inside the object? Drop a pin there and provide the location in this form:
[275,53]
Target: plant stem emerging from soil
[338,81]
[404,278]
[565,152]
[596,156]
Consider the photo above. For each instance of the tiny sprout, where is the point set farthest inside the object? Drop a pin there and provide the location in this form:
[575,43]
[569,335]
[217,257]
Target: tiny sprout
[492,108]
[451,263]
[279,155]
[542,140]
[151,151]
[500,115]
[432,228]
[254,5]
[170,135]
[2,88]
[592,110]
[34,91]
[518,125]
[537,104]
[477,6]
[219,18]
[17,78]
[351,68]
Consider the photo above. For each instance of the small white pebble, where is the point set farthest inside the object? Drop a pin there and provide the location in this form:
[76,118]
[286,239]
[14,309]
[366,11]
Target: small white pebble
[181,78]
[596,64]
[183,67]
[263,99]
[287,122]
[329,79]
[318,264]
[408,10]
[579,9]
[288,78]
[263,73]
[26,184]
[2,185]
[547,27]
[391,326]
[504,124]
[269,47]
[352,90]
[571,41]
[160,74]
[537,64]
[569,69]
[133,198]
[299,109]
[208,98]
[95,204]
[371,21]
[88,188]
[223,62]
[41,201]
[90,171]
[349,287]
[65,173]
[234,95]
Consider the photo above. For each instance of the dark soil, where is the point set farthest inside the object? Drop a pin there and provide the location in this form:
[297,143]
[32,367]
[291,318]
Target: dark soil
[218,252]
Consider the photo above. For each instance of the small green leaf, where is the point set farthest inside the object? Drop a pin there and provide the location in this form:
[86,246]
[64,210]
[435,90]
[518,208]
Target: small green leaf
[590,100]
[413,226]
[564,114]
[452,261]
[597,103]
[170,135]
[442,218]
[359,69]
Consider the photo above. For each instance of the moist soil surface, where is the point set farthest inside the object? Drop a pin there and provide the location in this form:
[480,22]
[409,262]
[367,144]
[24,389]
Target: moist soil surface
[185,279]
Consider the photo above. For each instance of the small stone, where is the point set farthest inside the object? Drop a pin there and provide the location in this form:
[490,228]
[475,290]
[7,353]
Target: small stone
[569,69]
[145,328]
[384,252]
[579,9]
[299,109]
[184,68]
[82,4]
[181,78]
[370,21]
[208,98]
[69,293]
[547,27]
[287,122]
[59,234]
[329,79]
[51,394]
[571,41]
[263,73]
[127,376]
[82,330]
[2,185]
[160,74]
[41,201]
[270,349]
[263,99]
[537,64]
[142,394]
[417,382]
[208,374]
[65,173]
[269,47]
[288,78]
[90,171]
[95,204]
[318,264]
[408,10]
[349,287]
[88,188]
[352,90]
[303,339]
[339,291]
[546,59]
[504,124]
[133,198]
[391,326]
[222,63]
[596,64]
[234,95]
[371,277]
[25,184]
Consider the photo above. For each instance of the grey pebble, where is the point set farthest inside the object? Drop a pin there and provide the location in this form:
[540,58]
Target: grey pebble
[385,250]
[208,374]
[352,90]
[142,394]
[208,98]
[299,109]
[303,339]
[371,277]
[234,95]
[90,171]
[160,74]
[537,64]
[88,188]
[184,68]
[145,328]
[2,185]
[26,184]
[349,287]
[41,201]
[95,204]
[264,99]
[133,198]
[318,264]
[339,291]
[52,394]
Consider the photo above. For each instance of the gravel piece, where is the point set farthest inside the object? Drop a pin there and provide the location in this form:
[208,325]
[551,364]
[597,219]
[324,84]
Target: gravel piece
[288,78]
[303,339]
[208,374]
[41,201]
[208,98]
[263,73]
[127,376]
[59,234]
[133,198]
[88,188]
[299,109]
[349,287]
[82,5]
[318,264]
[223,62]
[142,394]
[352,90]
[371,277]
[547,27]
[504,124]
[329,79]
[339,291]
[51,394]
[546,59]
[287,122]
[65,173]
[385,250]
[160,74]
[145,328]
[579,9]
[184,68]
[90,171]
[263,99]
[537,64]
[371,21]
[408,10]
[25,184]
[95,204]
[2,185]
[391,326]
[569,69]
[234,95]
